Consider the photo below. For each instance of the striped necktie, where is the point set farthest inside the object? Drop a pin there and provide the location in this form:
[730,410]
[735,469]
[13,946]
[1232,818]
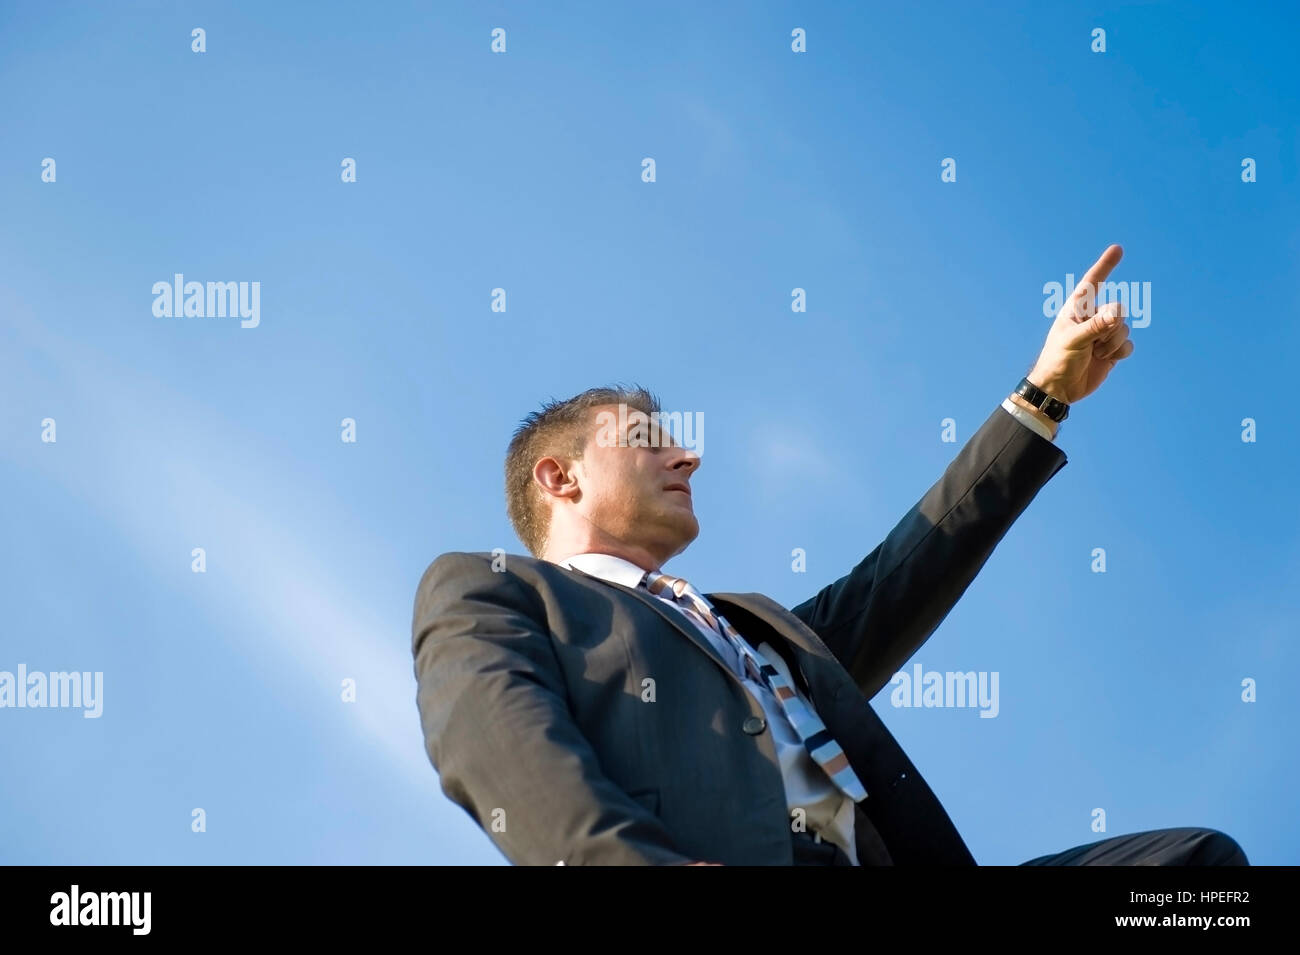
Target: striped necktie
[816,738]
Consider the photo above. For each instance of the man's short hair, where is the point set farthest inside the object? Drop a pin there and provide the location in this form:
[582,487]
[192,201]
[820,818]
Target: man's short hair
[558,429]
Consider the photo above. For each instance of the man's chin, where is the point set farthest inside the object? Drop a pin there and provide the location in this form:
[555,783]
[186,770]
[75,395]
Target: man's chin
[688,531]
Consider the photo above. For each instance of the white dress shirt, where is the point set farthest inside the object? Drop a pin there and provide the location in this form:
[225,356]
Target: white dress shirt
[827,811]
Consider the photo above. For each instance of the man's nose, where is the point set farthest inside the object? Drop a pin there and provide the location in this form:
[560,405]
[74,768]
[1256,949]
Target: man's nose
[687,461]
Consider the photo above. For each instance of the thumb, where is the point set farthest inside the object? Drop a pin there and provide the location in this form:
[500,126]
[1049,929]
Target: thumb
[1095,327]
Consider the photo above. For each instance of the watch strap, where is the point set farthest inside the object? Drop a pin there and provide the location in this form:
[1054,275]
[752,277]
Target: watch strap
[1054,408]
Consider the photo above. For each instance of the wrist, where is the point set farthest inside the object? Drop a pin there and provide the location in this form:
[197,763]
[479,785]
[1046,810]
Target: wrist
[1048,382]
[1020,402]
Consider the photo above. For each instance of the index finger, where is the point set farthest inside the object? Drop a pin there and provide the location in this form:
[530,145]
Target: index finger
[1087,287]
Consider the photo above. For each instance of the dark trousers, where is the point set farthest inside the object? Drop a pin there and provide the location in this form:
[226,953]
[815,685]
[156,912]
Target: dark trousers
[1157,847]
[1171,847]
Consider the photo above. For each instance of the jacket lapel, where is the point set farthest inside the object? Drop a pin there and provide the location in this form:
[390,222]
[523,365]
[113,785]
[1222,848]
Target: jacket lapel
[677,619]
[821,670]
[779,619]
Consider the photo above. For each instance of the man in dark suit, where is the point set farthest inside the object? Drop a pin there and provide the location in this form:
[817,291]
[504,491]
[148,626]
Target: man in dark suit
[586,708]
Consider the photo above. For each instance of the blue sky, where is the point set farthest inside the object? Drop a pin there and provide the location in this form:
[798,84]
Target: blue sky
[522,171]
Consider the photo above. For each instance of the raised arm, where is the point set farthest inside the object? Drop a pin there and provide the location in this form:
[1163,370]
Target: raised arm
[876,616]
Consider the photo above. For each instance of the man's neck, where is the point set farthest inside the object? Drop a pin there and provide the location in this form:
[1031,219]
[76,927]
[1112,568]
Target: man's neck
[630,553]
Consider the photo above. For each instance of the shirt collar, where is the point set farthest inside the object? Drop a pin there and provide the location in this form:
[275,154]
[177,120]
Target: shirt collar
[607,567]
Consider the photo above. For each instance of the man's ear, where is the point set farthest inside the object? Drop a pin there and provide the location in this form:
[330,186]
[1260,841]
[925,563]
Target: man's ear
[556,478]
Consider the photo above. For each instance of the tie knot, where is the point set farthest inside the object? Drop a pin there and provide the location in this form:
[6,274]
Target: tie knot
[657,583]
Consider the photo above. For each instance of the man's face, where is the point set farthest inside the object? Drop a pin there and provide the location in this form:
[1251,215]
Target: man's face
[638,494]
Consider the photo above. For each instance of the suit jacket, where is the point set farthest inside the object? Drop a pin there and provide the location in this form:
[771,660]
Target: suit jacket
[581,721]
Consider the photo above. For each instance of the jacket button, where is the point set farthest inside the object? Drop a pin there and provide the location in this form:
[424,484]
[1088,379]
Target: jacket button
[754,725]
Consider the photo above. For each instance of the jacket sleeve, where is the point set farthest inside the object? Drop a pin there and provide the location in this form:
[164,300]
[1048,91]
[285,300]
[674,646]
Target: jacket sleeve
[878,615]
[498,730]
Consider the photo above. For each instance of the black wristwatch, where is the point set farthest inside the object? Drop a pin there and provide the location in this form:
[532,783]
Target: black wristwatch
[1054,408]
